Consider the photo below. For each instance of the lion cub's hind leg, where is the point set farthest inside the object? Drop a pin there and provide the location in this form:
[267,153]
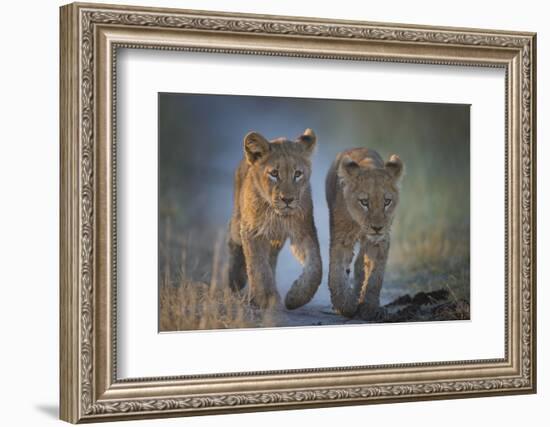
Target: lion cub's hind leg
[237,266]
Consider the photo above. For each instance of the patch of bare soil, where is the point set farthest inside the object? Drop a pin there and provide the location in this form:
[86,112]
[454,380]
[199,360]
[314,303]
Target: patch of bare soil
[425,306]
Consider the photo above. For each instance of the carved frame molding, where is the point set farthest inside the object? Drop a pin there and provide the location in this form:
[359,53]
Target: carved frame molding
[90,37]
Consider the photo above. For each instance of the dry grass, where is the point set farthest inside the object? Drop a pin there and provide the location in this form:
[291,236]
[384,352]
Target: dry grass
[187,304]
[442,246]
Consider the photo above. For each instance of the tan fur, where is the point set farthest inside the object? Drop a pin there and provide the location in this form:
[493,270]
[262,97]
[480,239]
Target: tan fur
[268,210]
[360,176]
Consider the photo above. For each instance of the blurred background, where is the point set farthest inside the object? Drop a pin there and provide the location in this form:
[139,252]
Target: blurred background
[200,145]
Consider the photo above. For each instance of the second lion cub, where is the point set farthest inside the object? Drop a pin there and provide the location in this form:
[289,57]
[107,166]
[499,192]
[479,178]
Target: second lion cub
[362,194]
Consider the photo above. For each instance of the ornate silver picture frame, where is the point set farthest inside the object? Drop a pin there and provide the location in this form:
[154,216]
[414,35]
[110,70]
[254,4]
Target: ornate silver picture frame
[91,36]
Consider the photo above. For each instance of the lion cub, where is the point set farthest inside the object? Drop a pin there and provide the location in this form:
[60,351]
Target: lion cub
[362,195]
[272,202]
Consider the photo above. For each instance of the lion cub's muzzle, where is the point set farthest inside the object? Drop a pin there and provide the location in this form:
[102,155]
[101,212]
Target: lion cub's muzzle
[286,205]
[376,233]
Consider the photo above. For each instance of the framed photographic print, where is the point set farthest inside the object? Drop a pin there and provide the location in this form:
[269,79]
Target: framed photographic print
[265,212]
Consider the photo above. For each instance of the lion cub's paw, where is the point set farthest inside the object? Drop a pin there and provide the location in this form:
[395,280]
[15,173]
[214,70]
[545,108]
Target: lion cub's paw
[297,296]
[370,313]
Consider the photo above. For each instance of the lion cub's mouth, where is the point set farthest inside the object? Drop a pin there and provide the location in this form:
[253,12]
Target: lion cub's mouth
[285,210]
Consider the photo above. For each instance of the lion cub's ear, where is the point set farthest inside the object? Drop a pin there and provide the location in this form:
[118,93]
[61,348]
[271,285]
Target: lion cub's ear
[395,167]
[255,146]
[308,140]
[348,167]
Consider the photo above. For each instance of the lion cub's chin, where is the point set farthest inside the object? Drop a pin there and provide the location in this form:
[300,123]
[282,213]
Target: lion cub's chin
[376,238]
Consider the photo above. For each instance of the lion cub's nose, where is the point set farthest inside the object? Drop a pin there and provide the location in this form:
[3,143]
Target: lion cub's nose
[376,229]
[287,200]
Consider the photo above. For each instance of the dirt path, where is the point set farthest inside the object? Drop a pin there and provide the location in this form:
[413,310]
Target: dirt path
[436,305]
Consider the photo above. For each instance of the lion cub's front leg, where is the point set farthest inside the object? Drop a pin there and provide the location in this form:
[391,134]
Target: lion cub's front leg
[344,300]
[305,248]
[261,280]
[369,279]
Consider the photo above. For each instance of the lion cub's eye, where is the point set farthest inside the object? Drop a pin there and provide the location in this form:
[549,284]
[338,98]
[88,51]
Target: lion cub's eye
[274,173]
[387,202]
[298,175]
[364,202]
